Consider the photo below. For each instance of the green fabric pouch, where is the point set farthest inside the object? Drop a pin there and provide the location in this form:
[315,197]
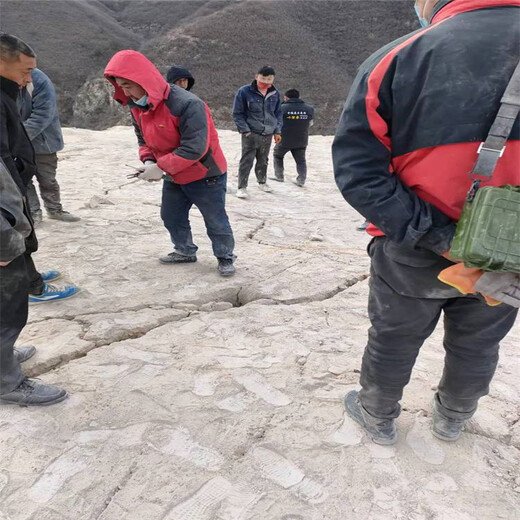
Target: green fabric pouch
[488,232]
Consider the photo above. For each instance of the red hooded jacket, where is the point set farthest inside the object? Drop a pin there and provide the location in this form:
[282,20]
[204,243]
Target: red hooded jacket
[175,128]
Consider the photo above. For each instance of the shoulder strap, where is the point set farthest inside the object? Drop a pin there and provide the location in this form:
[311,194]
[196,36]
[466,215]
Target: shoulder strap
[493,147]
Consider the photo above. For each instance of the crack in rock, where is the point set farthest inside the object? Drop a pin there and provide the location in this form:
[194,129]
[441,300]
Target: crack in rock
[251,234]
[207,307]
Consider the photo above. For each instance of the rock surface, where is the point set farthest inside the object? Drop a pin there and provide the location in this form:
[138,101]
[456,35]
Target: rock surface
[194,397]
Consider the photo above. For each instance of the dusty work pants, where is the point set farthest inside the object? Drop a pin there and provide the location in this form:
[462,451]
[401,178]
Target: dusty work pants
[46,165]
[254,146]
[299,157]
[405,304]
[14,305]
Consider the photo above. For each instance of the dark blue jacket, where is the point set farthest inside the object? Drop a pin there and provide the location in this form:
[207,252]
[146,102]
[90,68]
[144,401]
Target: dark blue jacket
[297,117]
[40,114]
[253,112]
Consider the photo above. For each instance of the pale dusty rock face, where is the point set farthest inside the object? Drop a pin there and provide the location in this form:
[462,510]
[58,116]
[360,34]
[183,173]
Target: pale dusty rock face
[194,397]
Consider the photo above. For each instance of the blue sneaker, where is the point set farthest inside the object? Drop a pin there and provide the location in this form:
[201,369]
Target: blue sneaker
[52,293]
[50,276]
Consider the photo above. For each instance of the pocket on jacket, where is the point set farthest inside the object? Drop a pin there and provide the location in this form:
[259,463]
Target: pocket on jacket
[407,256]
[255,107]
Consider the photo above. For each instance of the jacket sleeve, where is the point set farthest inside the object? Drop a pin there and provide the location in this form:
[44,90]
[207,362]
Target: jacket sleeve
[279,115]
[361,154]
[43,107]
[145,154]
[194,135]
[5,151]
[240,112]
[12,242]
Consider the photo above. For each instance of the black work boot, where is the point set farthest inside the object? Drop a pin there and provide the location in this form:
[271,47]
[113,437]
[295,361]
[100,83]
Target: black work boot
[176,258]
[22,354]
[444,428]
[226,267]
[32,393]
[62,215]
[381,431]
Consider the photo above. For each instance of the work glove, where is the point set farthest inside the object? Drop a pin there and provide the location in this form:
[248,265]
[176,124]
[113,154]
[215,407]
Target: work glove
[151,172]
[277,138]
[464,280]
[504,287]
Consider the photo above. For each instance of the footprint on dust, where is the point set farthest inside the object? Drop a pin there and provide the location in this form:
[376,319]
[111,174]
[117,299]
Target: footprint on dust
[311,491]
[349,433]
[286,474]
[255,383]
[381,452]
[4,480]
[204,384]
[233,403]
[238,504]
[178,442]
[277,468]
[56,475]
[203,504]
[423,443]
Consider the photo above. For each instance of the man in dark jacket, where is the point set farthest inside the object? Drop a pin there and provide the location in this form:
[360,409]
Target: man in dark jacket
[181,77]
[178,142]
[297,118]
[258,115]
[408,136]
[15,387]
[41,120]
[16,64]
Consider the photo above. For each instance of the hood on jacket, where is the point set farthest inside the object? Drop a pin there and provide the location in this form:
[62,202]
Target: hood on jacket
[138,68]
[175,73]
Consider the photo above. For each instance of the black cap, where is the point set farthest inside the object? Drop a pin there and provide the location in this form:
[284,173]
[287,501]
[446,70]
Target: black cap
[176,73]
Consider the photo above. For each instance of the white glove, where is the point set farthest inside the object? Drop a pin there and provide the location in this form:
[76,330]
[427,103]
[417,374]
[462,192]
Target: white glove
[504,287]
[151,172]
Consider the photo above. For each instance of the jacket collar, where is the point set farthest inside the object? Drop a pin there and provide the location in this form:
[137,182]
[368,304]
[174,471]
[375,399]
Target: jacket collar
[11,88]
[448,8]
[254,87]
[294,100]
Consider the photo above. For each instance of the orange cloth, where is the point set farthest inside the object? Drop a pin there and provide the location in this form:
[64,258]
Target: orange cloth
[464,279]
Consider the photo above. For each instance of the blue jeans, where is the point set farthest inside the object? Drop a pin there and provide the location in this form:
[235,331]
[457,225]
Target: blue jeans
[209,195]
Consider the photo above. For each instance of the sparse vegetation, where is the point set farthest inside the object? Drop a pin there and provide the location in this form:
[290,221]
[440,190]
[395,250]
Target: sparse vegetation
[314,45]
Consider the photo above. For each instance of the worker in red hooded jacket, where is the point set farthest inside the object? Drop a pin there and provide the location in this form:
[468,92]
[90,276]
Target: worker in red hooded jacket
[178,142]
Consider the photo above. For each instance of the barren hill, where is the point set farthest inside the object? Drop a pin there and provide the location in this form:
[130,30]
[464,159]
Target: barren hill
[315,46]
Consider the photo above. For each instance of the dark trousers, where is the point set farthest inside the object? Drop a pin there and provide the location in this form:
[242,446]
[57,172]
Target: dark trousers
[209,195]
[34,278]
[401,323]
[14,289]
[299,157]
[46,165]
[254,146]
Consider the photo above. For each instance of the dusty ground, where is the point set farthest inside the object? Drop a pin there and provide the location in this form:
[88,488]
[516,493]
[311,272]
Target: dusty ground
[199,398]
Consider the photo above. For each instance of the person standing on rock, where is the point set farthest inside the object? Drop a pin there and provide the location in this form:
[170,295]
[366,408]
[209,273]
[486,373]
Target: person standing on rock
[407,138]
[298,117]
[42,124]
[17,60]
[178,142]
[257,112]
[181,77]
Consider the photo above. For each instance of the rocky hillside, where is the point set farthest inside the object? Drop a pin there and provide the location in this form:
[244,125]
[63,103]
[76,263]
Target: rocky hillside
[315,46]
